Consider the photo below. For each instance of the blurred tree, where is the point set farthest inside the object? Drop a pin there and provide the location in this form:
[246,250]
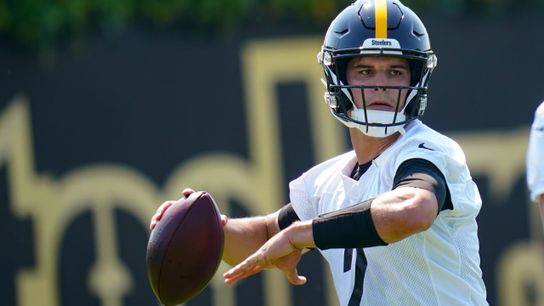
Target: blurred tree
[41,23]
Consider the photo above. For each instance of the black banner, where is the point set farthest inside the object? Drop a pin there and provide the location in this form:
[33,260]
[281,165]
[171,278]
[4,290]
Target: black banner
[93,138]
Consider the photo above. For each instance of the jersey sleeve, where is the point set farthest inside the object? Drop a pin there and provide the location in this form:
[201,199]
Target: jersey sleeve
[428,152]
[301,200]
[535,155]
[422,174]
[463,198]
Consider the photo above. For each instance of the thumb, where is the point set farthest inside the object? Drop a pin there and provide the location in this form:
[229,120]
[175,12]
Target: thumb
[294,278]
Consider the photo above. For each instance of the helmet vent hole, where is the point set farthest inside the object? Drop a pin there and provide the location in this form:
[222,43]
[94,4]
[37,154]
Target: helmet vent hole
[417,34]
[342,32]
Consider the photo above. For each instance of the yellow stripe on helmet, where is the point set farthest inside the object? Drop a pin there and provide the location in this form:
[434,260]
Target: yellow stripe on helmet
[380,16]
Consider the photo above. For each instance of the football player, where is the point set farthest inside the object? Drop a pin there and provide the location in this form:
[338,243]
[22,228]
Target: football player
[396,216]
[535,160]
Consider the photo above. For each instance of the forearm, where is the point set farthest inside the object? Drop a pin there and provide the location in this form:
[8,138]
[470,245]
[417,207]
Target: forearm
[387,218]
[246,235]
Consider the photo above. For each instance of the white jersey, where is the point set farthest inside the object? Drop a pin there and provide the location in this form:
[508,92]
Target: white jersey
[535,155]
[440,266]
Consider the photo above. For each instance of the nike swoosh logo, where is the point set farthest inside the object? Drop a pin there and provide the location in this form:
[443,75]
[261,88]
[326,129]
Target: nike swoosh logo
[422,146]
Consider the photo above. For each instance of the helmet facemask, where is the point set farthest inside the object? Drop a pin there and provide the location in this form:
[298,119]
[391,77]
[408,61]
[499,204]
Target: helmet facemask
[410,100]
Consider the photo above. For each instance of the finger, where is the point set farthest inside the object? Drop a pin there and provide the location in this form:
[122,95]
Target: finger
[237,276]
[153,221]
[187,192]
[241,268]
[163,208]
[294,278]
[224,220]
[159,213]
[246,268]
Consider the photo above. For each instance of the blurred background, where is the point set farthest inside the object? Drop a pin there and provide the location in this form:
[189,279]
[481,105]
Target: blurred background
[110,107]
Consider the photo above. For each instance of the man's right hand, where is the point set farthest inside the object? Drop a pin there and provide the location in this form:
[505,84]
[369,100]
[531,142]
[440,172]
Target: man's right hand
[164,206]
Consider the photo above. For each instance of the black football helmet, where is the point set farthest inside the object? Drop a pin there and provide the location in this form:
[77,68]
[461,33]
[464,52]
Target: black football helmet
[376,28]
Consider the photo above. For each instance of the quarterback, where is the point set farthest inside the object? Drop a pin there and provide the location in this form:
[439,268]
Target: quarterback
[395,217]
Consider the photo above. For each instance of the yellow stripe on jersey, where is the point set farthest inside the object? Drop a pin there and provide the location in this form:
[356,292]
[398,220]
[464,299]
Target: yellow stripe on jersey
[380,16]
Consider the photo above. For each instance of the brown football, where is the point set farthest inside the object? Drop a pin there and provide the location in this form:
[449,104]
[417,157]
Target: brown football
[185,249]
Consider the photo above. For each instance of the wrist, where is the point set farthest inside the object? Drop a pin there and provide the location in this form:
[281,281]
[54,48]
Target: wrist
[300,234]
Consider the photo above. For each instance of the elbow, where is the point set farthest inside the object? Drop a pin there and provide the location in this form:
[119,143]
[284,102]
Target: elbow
[409,211]
[421,211]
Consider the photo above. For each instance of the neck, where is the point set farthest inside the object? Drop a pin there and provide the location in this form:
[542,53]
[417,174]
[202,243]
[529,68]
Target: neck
[367,148]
